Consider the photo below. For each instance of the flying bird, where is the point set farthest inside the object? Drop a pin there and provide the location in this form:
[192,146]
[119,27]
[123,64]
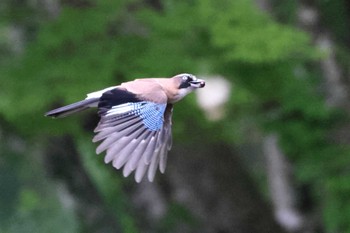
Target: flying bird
[135,121]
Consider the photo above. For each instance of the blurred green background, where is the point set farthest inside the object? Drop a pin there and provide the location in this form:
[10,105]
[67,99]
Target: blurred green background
[274,158]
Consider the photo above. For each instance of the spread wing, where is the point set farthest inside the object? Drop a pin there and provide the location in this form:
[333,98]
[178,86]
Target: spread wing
[135,134]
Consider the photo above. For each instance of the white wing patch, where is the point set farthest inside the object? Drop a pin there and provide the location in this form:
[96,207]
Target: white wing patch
[121,109]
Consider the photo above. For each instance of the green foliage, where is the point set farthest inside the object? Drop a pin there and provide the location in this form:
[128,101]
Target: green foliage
[65,62]
[245,34]
[336,18]
[103,177]
[177,217]
[29,201]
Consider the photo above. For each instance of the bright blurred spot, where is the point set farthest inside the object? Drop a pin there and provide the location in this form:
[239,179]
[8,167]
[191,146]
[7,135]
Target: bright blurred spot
[214,96]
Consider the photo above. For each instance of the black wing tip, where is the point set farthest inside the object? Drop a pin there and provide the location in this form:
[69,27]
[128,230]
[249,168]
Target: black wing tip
[57,113]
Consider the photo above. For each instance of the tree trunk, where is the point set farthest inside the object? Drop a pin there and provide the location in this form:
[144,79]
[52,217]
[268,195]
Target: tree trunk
[333,85]
[280,179]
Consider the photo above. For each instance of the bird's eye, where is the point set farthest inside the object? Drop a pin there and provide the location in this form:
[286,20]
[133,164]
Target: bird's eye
[187,78]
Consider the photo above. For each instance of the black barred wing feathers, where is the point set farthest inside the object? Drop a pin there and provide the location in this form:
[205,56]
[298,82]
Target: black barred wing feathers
[135,134]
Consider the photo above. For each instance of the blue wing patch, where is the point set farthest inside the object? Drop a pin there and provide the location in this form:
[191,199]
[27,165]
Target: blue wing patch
[152,114]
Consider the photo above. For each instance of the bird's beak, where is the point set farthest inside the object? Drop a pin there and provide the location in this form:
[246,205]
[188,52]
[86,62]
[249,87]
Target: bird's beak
[198,83]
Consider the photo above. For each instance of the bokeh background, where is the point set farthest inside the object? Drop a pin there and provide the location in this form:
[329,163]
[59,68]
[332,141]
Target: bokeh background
[264,147]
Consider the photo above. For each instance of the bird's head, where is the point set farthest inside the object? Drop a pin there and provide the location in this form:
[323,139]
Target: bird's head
[189,81]
[186,83]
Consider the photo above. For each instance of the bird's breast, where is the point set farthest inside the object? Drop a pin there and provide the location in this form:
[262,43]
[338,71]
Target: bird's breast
[178,95]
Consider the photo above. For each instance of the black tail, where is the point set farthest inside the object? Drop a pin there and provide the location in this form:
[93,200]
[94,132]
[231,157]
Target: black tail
[72,108]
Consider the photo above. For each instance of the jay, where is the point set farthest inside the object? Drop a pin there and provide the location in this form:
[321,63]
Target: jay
[135,121]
